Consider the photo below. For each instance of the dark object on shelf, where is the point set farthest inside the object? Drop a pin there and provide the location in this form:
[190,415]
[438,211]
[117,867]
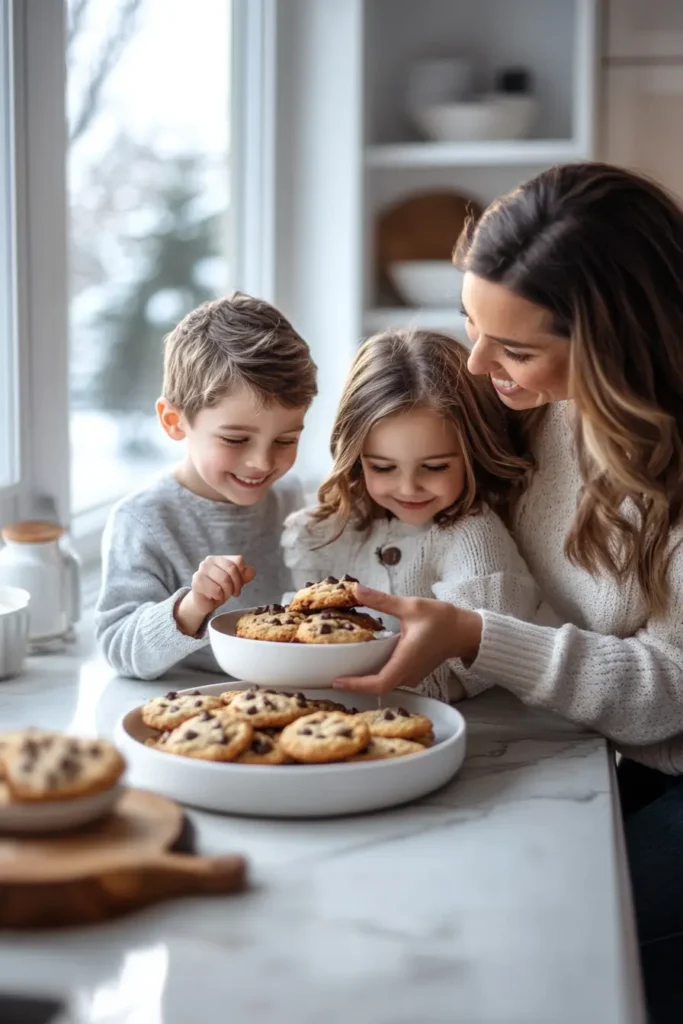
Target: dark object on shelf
[30,1010]
[516,81]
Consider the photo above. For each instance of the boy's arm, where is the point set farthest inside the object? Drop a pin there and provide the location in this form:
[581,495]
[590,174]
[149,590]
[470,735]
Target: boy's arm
[134,621]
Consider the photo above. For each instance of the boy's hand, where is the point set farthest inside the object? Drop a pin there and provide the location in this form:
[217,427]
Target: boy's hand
[218,578]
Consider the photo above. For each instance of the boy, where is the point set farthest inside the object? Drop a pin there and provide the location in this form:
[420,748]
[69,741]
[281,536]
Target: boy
[238,381]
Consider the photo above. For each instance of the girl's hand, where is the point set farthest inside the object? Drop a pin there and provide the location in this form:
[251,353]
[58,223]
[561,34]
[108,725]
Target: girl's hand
[218,578]
[431,633]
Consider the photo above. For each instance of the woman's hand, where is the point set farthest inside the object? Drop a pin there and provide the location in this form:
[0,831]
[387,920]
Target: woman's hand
[431,633]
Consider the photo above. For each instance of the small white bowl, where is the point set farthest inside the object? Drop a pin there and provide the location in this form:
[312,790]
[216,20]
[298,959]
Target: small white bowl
[14,602]
[427,282]
[487,118]
[294,666]
[56,815]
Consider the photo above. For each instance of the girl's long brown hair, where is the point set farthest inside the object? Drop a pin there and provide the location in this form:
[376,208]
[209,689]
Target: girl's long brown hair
[401,370]
[602,250]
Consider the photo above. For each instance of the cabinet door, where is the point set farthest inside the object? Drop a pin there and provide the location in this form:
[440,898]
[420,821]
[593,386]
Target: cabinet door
[643,121]
[644,28]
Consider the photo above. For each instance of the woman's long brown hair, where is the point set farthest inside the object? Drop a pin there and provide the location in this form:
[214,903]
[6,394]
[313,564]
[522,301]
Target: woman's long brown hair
[602,250]
[401,370]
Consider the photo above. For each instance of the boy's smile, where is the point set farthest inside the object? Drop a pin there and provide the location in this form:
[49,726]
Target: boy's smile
[236,449]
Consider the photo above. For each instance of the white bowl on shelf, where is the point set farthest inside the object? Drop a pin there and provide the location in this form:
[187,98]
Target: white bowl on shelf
[295,666]
[487,118]
[427,282]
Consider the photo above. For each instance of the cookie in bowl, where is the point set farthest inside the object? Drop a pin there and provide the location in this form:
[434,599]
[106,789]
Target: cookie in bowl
[328,628]
[273,623]
[328,593]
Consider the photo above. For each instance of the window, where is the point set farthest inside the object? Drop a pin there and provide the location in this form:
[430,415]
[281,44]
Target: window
[9,406]
[149,218]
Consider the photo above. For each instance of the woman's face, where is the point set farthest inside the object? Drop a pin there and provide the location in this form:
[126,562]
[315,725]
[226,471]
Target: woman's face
[512,341]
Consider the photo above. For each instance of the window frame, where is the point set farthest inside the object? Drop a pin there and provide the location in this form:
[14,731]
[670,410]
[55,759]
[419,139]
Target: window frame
[39,117]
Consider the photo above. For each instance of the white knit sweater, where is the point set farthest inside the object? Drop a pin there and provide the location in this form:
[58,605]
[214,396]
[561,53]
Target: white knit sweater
[612,670]
[473,564]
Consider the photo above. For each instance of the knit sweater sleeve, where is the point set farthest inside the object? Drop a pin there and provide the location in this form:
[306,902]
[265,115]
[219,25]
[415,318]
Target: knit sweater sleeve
[629,689]
[134,621]
[482,568]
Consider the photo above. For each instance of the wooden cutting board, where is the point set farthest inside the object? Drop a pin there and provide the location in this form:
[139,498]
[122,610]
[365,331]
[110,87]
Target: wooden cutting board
[105,869]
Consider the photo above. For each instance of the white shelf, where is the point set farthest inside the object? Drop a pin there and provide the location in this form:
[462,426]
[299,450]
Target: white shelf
[427,319]
[474,154]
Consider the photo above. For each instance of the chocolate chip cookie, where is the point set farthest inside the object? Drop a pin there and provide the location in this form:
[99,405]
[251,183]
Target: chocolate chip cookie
[167,712]
[325,736]
[42,766]
[264,749]
[274,623]
[209,737]
[380,747]
[396,723]
[328,593]
[265,708]
[328,628]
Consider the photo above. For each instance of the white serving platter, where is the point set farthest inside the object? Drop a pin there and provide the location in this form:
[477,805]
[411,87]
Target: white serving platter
[294,791]
[273,664]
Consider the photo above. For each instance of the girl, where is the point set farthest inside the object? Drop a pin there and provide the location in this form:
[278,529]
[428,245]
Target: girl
[422,461]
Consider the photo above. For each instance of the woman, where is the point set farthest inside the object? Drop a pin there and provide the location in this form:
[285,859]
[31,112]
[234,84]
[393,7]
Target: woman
[573,294]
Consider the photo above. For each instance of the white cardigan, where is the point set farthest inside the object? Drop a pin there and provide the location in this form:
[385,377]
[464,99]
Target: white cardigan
[612,669]
[474,564]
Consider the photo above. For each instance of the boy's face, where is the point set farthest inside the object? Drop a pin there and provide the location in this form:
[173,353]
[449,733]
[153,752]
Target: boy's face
[236,450]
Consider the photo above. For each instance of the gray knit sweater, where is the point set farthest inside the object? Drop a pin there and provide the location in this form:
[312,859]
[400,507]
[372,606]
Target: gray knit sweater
[154,542]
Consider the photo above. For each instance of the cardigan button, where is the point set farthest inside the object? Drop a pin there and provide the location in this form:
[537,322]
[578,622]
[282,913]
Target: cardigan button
[390,556]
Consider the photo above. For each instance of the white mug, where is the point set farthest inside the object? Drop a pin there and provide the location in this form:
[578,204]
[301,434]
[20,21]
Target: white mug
[14,603]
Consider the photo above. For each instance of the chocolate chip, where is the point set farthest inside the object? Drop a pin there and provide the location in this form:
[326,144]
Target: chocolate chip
[174,707]
[30,747]
[198,703]
[252,711]
[216,725]
[327,615]
[223,741]
[70,767]
[388,715]
[345,732]
[250,695]
[260,610]
[309,584]
[276,622]
[162,704]
[190,735]
[301,700]
[261,746]
[205,716]
[290,622]
[95,751]
[276,608]
[325,629]
[193,693]
[171,695]
[352,711]
[348,579]
[330,579]
[348,626]
[305,732]
[403,713]
[267,703]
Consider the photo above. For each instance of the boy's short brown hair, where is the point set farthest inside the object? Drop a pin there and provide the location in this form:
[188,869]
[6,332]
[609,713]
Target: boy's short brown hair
[231,341]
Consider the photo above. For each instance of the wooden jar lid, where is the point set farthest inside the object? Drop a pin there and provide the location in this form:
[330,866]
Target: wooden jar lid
[32,531]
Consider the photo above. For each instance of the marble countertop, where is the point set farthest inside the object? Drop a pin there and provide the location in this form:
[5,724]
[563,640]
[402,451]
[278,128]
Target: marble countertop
[500,899]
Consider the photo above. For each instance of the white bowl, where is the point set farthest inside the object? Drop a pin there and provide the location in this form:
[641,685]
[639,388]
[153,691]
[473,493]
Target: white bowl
[14,602]
[293,665]
[56,815]
[300,791]
[427,282]
[487,118]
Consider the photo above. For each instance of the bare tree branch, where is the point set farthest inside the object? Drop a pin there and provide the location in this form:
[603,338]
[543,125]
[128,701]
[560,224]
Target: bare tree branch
[109,53]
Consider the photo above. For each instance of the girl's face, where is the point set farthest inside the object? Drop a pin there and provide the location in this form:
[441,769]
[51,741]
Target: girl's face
[512,341]
[413,465]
